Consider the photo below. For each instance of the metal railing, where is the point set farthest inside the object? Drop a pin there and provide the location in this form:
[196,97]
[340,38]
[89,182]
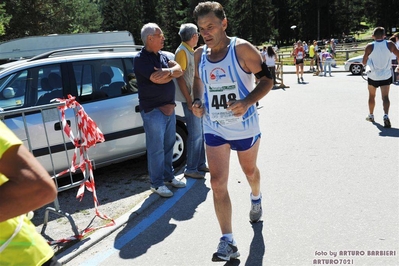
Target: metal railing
[48,114]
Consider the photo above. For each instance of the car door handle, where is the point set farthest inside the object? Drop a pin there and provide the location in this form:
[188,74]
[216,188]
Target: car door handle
[137,109]
[57,126]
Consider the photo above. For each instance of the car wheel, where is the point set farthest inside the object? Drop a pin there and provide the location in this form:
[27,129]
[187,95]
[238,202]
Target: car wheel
[180,148]
[356,69]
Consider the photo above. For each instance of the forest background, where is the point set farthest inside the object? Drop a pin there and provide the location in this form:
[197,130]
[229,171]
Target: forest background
[258,21]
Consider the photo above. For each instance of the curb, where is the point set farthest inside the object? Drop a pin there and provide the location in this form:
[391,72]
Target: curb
[76,249]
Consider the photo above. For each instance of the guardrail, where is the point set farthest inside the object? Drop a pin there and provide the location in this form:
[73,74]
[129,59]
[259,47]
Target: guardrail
[49,114]
[347,52]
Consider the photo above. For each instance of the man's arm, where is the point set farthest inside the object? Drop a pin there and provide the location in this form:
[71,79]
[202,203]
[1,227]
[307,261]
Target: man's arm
[29,186]
[250,61]
[367,52]
[164,75]
[198,86]
[395,51]
[181,59]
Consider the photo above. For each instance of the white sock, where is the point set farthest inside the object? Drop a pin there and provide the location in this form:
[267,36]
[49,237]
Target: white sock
[229,237]
[256,197]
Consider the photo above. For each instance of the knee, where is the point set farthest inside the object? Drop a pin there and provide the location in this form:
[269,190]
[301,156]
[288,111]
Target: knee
[218,185]
[250,172]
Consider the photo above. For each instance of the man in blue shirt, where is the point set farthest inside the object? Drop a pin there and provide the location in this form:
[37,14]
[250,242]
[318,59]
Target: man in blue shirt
[154,74]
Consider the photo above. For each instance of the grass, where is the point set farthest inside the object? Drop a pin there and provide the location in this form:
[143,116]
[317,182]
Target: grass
[363,38]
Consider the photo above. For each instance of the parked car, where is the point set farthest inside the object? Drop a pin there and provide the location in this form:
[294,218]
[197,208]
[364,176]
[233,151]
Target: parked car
[354,65]
[95,76]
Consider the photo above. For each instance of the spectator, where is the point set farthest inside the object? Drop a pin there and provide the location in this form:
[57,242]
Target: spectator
[154,74]
[327,59]
[395,39]
[184,56]
[312,55]
[24,186]
[271,59]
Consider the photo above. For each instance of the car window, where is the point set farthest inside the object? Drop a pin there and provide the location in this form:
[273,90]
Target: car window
[12,90]
[97,79]
[49,83]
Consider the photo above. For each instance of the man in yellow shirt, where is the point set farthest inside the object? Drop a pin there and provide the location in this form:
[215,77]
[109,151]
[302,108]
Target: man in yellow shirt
[312,56]
[184,56]
[24,186]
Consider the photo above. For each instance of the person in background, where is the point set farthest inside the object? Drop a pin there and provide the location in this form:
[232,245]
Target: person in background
[225,96]
[395,39]
[299,55]
[24,186]
[271,59]
[154,73]
[184,56]
[320,62]
[306,48]
[131,85]
[378,57]
[312,53]
[327,59]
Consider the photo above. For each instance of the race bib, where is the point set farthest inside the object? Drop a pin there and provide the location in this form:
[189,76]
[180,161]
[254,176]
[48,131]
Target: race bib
[218,97]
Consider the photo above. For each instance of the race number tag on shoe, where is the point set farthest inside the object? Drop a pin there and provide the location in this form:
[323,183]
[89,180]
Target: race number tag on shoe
[218,97]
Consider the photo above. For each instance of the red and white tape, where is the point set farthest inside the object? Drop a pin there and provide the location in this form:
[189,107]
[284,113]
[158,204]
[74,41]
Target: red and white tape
[87,136]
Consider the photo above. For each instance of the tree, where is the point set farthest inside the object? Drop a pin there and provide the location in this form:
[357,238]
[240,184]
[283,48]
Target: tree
[4,19]
[39,17]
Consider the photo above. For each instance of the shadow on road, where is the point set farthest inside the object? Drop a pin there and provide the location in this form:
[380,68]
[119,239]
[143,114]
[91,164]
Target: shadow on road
[257,248]
[387,132]
[151,231]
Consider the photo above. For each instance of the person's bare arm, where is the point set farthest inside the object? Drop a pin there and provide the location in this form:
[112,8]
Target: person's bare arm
[395,51]
[184,90]
[163,75]
[367,52]
[198,86]
[29,186]
[250,61]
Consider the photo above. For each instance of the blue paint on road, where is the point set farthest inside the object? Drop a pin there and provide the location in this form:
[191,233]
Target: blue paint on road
[143,225]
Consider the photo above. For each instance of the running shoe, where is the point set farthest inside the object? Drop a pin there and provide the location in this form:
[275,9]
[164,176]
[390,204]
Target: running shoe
[387,122]
[256,210]
[302,79]
[226,250]
[370,118]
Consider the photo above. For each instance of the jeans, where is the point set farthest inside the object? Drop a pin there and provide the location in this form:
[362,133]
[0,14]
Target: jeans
[195,141]
[327,63]
[160,139]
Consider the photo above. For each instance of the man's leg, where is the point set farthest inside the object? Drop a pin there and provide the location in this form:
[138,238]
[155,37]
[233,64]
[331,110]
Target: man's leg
[371,102]
[385,98]
[247,161]
[218,162]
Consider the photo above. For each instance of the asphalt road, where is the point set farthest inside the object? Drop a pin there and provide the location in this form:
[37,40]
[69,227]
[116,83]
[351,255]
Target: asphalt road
[329,183]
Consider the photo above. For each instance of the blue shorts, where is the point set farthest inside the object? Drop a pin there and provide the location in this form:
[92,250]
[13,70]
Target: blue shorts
[237,145]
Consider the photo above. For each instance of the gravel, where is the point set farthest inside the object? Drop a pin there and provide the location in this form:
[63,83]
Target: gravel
[119,188]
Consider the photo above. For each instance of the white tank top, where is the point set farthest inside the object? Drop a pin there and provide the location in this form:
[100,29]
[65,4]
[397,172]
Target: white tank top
[223,81]
[270,61]
[380,61]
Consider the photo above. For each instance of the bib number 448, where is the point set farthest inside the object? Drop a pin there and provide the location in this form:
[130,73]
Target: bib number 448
[222,100]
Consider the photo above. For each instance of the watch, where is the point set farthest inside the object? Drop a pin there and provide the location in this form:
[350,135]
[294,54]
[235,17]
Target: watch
[170,72]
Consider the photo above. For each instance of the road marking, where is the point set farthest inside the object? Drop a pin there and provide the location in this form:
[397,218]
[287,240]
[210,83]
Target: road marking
[143,225]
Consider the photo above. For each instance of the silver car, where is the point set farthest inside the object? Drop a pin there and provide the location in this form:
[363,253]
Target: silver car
[97,77]
[354,65]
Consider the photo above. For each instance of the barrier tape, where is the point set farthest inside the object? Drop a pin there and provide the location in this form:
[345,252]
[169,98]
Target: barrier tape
[88,135]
